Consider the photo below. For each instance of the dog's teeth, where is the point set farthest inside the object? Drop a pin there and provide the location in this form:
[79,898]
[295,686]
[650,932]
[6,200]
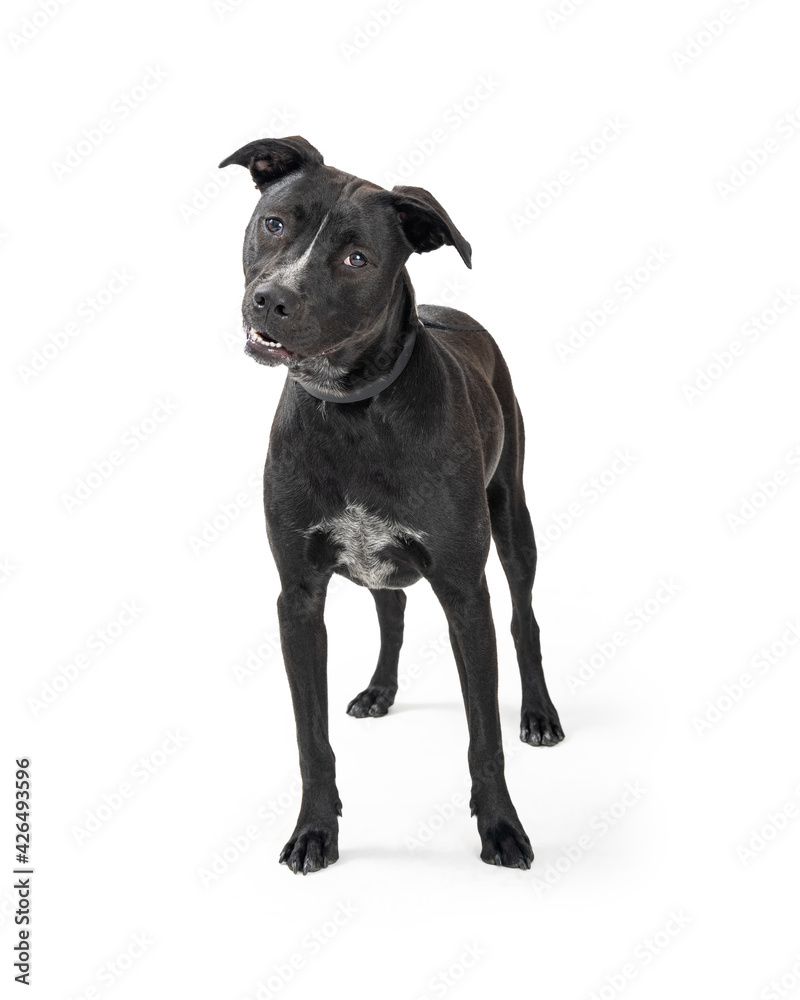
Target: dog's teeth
[263,339]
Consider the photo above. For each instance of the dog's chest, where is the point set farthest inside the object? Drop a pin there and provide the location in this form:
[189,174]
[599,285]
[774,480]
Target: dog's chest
[367,544]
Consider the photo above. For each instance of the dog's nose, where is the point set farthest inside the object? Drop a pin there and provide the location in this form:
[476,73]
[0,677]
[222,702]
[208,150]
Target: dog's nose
[269,298]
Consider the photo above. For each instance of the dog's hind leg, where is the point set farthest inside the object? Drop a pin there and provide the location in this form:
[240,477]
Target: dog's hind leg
[513,537]
[379,696]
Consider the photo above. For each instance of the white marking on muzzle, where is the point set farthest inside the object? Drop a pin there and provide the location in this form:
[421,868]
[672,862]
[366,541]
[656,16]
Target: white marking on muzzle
[289,274]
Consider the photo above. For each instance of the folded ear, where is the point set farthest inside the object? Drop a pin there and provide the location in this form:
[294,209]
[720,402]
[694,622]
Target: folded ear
[426,224]
[270,159]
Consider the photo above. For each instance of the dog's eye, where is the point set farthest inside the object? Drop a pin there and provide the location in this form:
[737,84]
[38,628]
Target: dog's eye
[356,260]
[274,226]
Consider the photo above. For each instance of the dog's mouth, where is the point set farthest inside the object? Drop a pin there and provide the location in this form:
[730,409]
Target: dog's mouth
[262,344]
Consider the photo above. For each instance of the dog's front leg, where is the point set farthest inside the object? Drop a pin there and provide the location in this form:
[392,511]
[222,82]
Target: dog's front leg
[301,605]
[469,615]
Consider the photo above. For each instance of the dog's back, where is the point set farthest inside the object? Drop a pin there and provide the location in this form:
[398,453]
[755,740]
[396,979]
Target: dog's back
[469,342]
[486,376]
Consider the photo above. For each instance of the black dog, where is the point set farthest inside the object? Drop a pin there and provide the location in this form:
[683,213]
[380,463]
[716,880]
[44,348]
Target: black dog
[396,453]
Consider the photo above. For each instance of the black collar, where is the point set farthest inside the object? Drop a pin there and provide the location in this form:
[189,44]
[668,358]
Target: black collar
[373,388]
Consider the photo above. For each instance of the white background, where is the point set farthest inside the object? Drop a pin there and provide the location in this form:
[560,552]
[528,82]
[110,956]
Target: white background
[394,916]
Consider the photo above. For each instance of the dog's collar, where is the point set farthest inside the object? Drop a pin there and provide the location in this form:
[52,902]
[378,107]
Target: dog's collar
[373,388]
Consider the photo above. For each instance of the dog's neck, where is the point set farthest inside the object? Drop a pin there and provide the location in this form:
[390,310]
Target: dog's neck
[365,365]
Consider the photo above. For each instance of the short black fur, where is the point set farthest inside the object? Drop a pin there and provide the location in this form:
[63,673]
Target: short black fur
[411,483]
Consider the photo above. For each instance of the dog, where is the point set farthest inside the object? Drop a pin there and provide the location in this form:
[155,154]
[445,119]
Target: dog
[395,454]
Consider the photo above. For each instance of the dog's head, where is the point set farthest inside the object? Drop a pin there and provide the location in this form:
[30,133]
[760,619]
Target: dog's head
[324,251]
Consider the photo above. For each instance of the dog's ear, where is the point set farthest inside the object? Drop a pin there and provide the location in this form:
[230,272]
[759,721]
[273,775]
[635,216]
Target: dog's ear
[270,159]
[425,223]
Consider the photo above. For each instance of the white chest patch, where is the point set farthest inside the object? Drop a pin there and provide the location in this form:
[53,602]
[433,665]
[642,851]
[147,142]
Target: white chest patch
[362,536]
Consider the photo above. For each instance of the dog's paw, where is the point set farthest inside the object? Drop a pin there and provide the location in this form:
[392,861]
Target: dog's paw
[540,727]
[506,843]
[309,850]
[373,702]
